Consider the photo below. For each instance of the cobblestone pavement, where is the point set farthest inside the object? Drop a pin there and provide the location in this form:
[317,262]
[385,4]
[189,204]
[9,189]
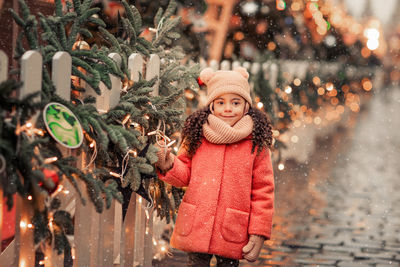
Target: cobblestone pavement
[340,208]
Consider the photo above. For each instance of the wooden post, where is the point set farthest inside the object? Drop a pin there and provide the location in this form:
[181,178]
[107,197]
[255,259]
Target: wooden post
[152,70]
[136,67]
[108,220]
[31,76]
[86,217]
[128,236]
[61,77]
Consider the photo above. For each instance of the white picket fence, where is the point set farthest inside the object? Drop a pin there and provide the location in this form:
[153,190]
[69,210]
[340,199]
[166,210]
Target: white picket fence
[99,239]
[104,239]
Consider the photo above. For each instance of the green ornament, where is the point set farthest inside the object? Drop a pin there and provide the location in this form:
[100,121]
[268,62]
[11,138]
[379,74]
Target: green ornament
[63,125]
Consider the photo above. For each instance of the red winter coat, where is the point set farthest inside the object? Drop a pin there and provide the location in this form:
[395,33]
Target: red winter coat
[229,196]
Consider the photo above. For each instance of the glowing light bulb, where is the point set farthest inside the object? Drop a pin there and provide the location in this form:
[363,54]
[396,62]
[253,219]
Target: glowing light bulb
[372,44]
[260,105]
[329,86]
[288,89]
[281,166]
[371,33]
[22,224]
[297,82]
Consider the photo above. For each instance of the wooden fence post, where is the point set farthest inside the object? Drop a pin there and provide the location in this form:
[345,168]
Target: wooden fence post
[31,76]
[86,217]
[109,222]
[61,77]
[128,236]
[152,70]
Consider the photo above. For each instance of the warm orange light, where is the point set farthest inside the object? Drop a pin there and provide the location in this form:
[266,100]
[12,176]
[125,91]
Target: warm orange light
[271,46]
[334,101]
[317,120]
[316,80]
[295,6]
[321,90]
[366,84]
[333,92]
[238,36]
[354,107]
[365,52]
[297,82]
[340,109]
[329,86]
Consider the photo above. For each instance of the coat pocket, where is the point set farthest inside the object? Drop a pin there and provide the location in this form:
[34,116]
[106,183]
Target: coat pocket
[186,215]
[234,226]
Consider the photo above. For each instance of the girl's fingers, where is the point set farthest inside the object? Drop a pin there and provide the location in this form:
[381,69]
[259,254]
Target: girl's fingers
[246,249]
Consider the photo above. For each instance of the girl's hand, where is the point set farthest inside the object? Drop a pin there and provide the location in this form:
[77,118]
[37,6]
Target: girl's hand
[253,247]
[165,158]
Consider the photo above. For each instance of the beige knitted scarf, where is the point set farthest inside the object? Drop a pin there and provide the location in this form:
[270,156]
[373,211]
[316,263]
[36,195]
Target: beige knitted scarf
[217,131]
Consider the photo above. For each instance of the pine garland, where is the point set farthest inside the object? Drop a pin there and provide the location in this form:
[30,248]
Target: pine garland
[24,154]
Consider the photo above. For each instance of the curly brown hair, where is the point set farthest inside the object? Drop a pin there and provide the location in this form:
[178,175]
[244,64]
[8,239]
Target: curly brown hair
[193,130]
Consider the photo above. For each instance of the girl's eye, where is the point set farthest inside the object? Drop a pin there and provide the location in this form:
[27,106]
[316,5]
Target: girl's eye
[220,103]
[236,103]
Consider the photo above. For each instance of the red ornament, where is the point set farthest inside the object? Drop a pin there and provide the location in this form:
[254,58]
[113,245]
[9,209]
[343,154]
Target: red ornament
[199,81]
[51,180]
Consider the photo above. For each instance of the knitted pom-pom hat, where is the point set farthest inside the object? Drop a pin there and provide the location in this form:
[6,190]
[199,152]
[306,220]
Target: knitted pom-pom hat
[226,81]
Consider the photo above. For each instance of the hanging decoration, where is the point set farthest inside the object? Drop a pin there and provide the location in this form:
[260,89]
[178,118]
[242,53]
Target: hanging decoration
[63,125]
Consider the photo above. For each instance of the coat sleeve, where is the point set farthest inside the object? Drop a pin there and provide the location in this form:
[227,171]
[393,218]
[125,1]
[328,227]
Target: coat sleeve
[179,174]
[262,196]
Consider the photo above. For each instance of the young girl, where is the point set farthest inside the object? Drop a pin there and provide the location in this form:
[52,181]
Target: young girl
[225,164]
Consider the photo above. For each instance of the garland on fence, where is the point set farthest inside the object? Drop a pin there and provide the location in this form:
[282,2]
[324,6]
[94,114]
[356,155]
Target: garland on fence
[121,131]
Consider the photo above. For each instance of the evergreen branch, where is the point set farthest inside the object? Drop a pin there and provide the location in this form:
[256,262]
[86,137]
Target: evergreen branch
[110,39]
[58,9]
[77,6]
[157,17]
[134,16]
[170,9]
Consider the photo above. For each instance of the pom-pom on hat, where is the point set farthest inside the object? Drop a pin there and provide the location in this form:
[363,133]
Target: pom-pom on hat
[225,82]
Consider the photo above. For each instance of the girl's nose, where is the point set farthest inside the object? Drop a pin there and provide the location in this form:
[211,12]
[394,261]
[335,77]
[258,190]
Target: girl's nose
[228,107]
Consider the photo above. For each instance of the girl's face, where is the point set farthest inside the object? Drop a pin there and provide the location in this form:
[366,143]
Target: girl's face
[229,107]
